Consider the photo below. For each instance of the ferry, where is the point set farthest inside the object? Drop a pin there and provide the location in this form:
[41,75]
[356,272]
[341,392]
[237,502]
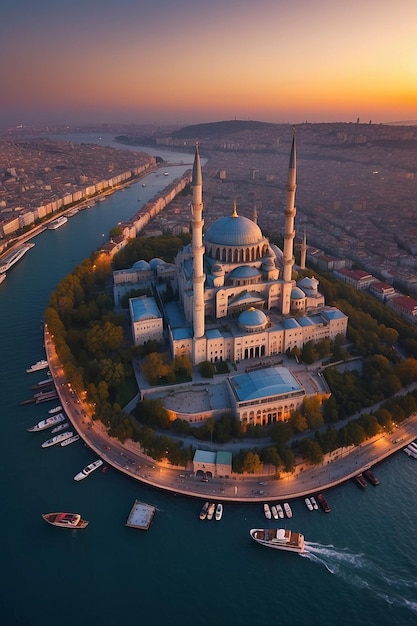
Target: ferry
[88,469]
[65,520]
[60,221]
[204,509]
[57,439]
[279,539]
[47,423]
[13,257]
[39,365]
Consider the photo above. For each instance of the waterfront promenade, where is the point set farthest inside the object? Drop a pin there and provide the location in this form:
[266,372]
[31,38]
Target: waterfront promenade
[128,457]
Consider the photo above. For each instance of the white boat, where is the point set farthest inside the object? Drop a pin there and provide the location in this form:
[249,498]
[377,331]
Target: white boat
[65,520]
[219,511]
[2,277]
[59,428]
[13,257]
[70,440]
[47,423]
[287,509]
[410,452]
[60,221]
[57,439]
[280,511]
[39,365]
[314,503]
[166,174]
[274,511]
[279,539]
[57,409]
[413,446]
[308,504]
[267,511]
[88,469]
[210,510]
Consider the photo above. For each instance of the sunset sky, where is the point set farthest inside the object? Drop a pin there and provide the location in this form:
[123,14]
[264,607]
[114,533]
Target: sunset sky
[189,61]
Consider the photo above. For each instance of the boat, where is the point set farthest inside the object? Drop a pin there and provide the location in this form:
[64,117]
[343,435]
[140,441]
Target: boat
[143,185]
[308,504]
[219,511]
[56,409]
[39,365]
[166,174]
[88,469]
[67,442]
[371,477]
[360,481]
[280,511]
[48,382]
[323,503]
[65,520]
[204,509]
[279,539]
[413,446]
[287,509]
[410,452]
[210,510]
[314,503]
[57,429]
[2,277]
[267,511]
[60,221]
[47,423]
[57,439]
[274,511]
[13,257]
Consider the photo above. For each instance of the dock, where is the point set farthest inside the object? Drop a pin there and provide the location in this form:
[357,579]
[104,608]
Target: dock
[141,515]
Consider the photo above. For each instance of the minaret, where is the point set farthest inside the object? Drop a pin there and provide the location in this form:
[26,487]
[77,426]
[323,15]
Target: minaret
[289,232]
[255,213]
[303,253]
[197,249]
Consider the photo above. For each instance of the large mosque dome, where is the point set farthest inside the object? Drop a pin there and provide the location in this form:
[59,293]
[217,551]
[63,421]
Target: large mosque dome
[234,230]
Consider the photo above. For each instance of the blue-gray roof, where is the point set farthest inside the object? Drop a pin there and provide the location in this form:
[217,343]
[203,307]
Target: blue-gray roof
[273,381]
[333,314]
[289,323]
[144,309]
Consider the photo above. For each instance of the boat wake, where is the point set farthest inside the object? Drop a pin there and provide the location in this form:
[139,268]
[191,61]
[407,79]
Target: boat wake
[359,571]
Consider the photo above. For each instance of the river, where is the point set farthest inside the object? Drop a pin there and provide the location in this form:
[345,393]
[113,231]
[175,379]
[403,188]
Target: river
[360,566]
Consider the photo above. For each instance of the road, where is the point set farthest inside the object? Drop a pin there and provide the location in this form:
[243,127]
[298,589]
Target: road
[128,457]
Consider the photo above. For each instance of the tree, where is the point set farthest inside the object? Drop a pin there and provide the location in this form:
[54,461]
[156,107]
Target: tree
[252,463]
[298,422]
[312,411]
[312,452]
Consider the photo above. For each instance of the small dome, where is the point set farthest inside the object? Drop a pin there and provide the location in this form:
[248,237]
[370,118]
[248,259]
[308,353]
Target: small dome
[217,269]
[253,319]
[141,265]
[310,284]
[235,230]
[155,262]
[297,294]
[244,271]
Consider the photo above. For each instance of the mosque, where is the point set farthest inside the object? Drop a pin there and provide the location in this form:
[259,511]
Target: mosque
[237,296]
[238,301]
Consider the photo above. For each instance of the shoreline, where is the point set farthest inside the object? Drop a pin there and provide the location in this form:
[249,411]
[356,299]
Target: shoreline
[129,459]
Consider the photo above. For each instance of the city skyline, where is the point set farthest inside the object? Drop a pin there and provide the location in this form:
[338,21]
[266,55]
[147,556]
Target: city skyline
[192,61]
